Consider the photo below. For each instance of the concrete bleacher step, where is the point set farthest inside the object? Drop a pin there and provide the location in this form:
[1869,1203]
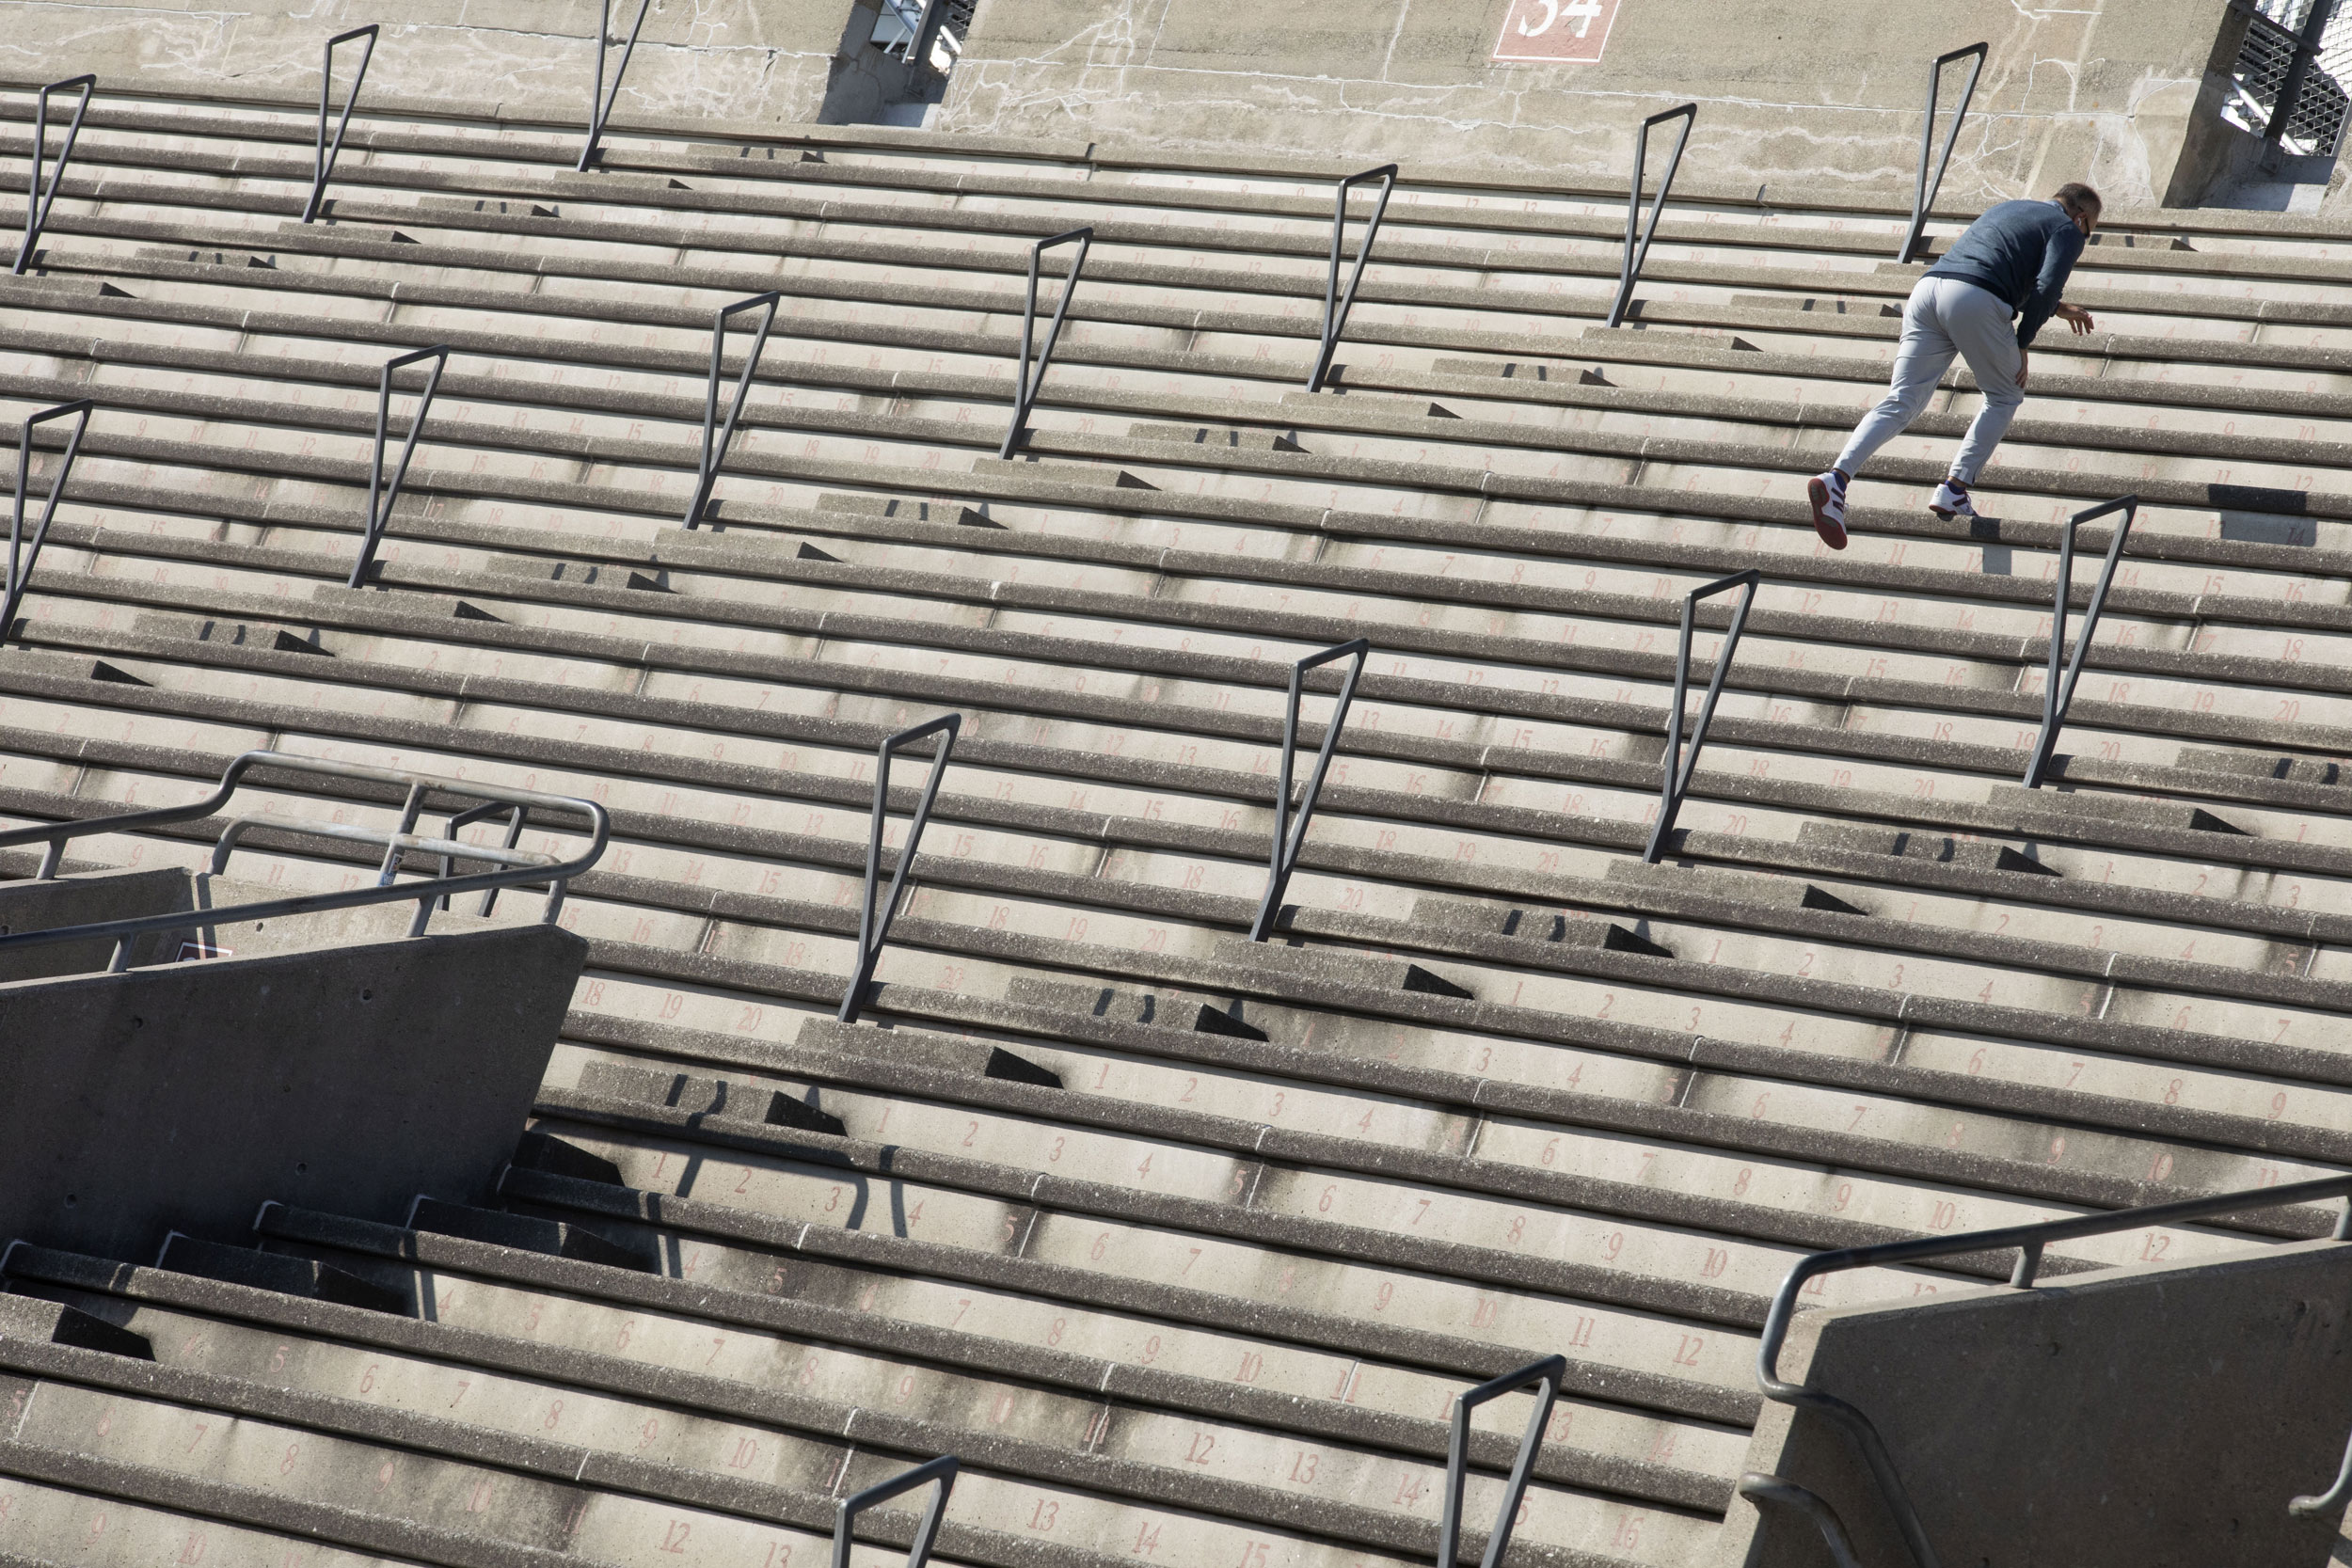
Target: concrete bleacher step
[522,1232]
[263,1270]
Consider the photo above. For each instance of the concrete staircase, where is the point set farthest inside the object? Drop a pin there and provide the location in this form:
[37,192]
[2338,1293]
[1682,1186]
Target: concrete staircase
[1186,1245]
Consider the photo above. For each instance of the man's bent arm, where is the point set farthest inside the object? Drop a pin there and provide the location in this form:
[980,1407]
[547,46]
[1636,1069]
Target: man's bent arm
[2057,260]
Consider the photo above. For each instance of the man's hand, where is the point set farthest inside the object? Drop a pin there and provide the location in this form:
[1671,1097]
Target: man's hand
[2076,317]
[2024,361]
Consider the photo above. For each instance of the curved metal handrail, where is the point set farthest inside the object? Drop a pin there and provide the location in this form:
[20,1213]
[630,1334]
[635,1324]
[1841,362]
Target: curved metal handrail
[2030,1240]
[1787,1494]
[513,866]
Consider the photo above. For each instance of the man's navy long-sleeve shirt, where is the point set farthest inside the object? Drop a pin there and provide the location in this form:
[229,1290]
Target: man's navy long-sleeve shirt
[2020,252]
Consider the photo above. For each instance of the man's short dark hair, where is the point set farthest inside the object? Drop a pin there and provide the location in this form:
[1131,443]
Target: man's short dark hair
[2078,198]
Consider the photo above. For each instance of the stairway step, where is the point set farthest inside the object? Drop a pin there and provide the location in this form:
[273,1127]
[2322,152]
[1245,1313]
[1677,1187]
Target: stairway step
[50,1322]
[1337,966]
[1528,924]
[1747,887]
[272,1270]
[690,1091]
[1870,839]
[524,1233]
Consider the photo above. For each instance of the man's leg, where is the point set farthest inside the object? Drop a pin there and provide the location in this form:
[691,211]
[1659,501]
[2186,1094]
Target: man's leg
[1920,361]
[1979,323]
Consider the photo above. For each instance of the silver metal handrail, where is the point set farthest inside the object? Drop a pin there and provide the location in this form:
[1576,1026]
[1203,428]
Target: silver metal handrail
[1673,790]
[322,162]
[600,101]
[1287,839]
[1923,195]
[2057,694]
[1335,304]
[37,208]
[1026,381]
[942,1470]
[1545,1376]
[2030,1240]
[20,566]
[1630,269]
[516,867]
[380,498]
[716,439]
[872,932]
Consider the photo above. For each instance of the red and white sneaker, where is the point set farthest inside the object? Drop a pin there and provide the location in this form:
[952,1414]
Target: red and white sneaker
[1827,492]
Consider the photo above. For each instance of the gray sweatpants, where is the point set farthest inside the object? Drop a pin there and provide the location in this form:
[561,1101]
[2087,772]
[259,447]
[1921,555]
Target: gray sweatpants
[1944,317]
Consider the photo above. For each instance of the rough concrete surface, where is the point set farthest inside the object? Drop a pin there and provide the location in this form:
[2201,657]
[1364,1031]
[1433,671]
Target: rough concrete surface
[2147,1416]
[1820,99]
[777,61]
[348,1079]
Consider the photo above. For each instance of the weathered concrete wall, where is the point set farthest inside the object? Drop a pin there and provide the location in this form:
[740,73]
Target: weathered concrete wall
[1822,99]
[2153,1417]
[752,60]
[348,1079]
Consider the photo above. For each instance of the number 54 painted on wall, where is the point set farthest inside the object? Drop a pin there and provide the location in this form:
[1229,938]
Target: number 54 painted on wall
[1555,29]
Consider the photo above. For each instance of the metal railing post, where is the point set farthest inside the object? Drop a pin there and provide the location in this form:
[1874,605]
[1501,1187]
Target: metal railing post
[715,439]
[1674,789]
[323,162]
[600,101]
[36,209]
[2029,1239]
[20,559]
[1923,197]
[380,496]
[1335,304]
[873,932]
[1630,271]
[2056,696]
[1288,840]
[1025,381]
[942,1470]
[466,819]
[1546,1374]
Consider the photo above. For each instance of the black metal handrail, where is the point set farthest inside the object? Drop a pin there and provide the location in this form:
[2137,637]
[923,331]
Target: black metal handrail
[516,867]
[1674,789]
[20,573]
[872,933]
[2304,45]
[1546,1376]
[600,101]
[381,498]
[1335,304]
[2031,1239]
[1781,1491]
[717,440]
[1923,195]
[1630,269]
[1287,839]
[1025,381]
[323,162]
[36,208]
[942,1470]
[2059,697]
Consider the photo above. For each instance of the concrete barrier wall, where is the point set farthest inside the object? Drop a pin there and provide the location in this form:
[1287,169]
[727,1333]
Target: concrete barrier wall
[747,60]
[2130,1417]
[1818,99]
[346,1079]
